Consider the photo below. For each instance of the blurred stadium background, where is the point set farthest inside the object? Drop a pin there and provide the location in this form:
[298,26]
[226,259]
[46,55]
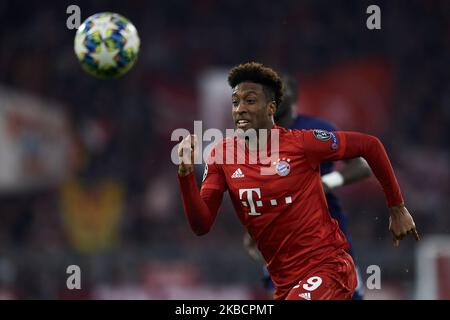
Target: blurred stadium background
[85,170]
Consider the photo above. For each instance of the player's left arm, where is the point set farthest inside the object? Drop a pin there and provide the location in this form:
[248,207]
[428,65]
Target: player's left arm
[354,170]
[321,145]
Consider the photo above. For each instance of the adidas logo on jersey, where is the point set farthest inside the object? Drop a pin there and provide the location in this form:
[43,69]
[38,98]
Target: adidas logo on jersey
[237,174]
[306,295]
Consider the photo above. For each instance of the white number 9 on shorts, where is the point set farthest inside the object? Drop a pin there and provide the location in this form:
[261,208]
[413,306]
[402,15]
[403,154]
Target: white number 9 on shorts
[312,283]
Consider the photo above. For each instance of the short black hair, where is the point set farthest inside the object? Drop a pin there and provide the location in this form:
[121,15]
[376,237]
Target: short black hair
[258,73]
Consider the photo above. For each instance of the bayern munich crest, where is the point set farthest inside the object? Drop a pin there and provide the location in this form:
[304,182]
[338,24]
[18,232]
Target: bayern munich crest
[283,167]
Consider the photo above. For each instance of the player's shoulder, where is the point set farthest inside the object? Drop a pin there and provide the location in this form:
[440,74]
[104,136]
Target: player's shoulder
[289,132]
[309,122]
[290,136]
[302,137]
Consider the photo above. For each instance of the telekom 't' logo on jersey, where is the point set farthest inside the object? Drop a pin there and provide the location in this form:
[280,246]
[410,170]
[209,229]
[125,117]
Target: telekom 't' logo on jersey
[257,203]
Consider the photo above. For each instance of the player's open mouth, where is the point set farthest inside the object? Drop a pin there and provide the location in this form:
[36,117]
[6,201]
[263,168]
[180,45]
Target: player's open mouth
[242,123]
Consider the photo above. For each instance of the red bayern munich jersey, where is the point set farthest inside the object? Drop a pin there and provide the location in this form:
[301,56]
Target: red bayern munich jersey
[286,212]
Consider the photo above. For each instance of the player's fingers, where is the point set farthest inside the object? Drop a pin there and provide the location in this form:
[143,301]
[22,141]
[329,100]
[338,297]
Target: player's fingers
[413,232]
[180,150]
[396,242]
[400,236]
[185,150]
[191,142]
[416,234]
[183,144]
[194,149]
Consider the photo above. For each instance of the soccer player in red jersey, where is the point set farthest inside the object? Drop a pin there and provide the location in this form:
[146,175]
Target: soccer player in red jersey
[285,212]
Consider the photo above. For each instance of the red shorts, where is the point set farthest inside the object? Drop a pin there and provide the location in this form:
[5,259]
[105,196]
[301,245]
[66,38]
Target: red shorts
[335,279]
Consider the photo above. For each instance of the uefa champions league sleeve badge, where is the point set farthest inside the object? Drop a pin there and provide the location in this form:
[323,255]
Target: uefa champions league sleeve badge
[322,135]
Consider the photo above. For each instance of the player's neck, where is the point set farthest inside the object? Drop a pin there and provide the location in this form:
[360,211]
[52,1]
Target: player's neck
[261,139]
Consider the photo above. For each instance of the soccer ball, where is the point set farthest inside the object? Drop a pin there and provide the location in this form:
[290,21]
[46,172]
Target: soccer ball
[107,45]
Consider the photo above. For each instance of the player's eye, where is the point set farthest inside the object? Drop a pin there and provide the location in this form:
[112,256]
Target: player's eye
[235,103]
[250,101]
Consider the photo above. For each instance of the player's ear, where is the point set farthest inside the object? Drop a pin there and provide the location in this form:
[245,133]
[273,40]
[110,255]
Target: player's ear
[272,108]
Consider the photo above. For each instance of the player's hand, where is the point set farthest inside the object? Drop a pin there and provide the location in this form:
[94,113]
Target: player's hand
[401,224]
[186,154]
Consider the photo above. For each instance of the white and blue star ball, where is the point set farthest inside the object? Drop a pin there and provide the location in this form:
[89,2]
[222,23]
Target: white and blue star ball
[107,45]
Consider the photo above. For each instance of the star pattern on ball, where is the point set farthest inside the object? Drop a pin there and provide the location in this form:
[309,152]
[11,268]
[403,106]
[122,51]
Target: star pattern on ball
[131,35]
[106,45]
[105,58]
[102,25]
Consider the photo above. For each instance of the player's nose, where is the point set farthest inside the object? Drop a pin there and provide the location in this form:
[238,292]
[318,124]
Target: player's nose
[241,108]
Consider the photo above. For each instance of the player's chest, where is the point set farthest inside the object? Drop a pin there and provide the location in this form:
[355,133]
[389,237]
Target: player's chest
[268,185]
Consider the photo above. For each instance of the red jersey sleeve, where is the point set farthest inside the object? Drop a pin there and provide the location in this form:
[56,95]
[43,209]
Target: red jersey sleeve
[321,145]
[213,177]
[201,207]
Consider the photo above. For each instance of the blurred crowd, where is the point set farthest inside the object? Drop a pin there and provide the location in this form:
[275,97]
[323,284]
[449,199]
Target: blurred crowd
[118,212]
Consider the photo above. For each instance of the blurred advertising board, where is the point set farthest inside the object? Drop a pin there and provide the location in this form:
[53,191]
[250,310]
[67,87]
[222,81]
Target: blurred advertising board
[34,142]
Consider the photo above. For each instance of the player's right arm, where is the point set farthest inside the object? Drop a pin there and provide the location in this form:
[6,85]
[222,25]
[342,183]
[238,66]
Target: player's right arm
[200,207]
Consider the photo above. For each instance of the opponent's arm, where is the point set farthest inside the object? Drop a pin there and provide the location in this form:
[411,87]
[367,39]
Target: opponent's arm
[354,170]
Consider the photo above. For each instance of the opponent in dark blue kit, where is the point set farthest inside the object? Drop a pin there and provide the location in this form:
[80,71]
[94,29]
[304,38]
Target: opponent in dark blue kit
[354,170]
